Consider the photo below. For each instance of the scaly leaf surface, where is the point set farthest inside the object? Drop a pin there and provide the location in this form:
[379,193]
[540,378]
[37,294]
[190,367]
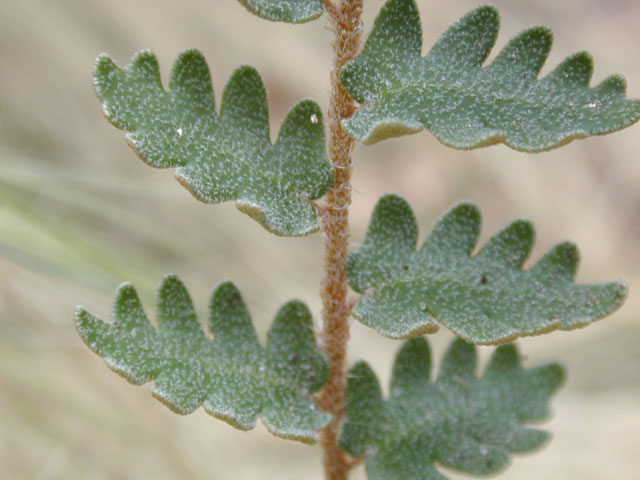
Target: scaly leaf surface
[466,105]
[227,371]
[459,421]
[221,157]
[290,11]
[487,298]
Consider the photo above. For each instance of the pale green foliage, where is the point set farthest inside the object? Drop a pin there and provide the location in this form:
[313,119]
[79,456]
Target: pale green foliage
[486,298]
[292,11]
[221,157]
[230,374]
[466,105]
[459,421]
[462,422]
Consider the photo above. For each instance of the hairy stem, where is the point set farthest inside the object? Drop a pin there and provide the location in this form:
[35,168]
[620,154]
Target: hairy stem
[346,25]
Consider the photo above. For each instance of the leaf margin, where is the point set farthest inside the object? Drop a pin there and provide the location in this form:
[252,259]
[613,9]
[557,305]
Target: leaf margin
[390,127]
[366,264]
[86,325]
[269,11]
[374,412]
[305,220]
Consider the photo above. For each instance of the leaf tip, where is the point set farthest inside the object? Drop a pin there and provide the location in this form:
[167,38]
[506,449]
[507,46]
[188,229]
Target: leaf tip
[144,59]
[226,293]
[557,375]
[79,312]
[391,206]
[621,288]
[485,17]
[125,289]
[103,65]
[189,54]
[82,322]
[170,281]
[466,209]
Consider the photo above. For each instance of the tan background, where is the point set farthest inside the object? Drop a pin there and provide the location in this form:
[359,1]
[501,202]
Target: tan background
[79,214]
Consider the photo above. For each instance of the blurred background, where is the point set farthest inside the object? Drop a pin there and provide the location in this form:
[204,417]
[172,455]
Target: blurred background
[79,213]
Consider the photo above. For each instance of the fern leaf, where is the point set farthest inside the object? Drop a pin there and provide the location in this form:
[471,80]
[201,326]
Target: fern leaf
[467,105]
[460,421]
[221,157]
[290,11]
[486,298]
[228,371]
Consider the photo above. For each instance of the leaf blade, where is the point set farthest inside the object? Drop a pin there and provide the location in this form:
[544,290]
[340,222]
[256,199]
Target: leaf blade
[466,105]
[221,157]
[468,423]
[291,11]
[232,375]
[485,299]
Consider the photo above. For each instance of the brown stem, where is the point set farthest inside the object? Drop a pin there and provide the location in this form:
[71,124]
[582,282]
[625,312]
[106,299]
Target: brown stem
[346,24]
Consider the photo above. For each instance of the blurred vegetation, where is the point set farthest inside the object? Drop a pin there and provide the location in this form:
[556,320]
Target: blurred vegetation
[79,214]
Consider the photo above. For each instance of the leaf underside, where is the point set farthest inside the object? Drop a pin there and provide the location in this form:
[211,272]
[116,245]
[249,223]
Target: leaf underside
[291,11]
[228,372]
[466,105]
[462,422]
[486,298]
[221,157]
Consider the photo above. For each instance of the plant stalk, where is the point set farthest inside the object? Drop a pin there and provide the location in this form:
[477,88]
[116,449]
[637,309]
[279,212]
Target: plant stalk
[345,19]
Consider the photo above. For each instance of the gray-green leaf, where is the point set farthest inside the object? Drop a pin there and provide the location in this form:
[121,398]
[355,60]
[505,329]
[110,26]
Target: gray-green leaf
[226,371]
[460,421]
[291,11]
[221,157]
[466,105]
[486,298]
